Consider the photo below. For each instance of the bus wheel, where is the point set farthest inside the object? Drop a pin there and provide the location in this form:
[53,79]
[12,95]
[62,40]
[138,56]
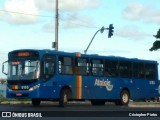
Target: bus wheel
[124,98]
[36,102]
[97,102]
[64,95]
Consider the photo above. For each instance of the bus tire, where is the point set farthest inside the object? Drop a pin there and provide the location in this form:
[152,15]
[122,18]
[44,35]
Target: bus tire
[64,96]
[36,102]
[124,98]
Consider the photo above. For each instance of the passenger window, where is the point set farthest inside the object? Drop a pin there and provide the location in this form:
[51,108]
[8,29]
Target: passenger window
[150,71]
[97,67]
[139,70]
[65,65]
[111,68]
[81,66]
[125,69]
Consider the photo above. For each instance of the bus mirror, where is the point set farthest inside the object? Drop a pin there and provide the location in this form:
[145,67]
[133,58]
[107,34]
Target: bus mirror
[4,67]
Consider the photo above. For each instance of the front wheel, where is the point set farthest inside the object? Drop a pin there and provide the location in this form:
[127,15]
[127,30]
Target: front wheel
[64,96]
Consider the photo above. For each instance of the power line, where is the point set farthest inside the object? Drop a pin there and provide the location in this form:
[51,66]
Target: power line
[73,22]
[25,13]
[78,24]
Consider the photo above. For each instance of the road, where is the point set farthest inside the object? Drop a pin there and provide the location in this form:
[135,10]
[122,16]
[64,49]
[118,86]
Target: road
[83,109]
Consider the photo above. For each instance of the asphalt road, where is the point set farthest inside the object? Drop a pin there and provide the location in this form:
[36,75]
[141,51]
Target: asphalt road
[85,110]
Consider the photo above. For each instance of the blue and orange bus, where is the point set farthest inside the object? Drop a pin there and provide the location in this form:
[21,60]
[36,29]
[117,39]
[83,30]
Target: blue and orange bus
[52,75]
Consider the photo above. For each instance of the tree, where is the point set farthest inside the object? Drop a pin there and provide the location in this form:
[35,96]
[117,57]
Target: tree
[156,44]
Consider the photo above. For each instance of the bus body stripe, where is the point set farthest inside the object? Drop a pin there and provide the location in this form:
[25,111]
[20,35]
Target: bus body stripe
[79,87]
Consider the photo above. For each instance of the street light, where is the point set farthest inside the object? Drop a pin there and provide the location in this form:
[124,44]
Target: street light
[110,33]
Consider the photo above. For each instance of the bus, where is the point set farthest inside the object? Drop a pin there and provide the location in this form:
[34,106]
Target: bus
[42,75]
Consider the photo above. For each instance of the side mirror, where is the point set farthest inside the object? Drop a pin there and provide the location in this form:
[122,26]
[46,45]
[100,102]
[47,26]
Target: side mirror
[4,67]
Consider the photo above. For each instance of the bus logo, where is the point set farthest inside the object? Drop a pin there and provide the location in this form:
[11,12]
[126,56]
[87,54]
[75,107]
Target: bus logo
[104,83]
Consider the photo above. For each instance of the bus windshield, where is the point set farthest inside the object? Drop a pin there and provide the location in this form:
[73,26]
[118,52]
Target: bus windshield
[24,70]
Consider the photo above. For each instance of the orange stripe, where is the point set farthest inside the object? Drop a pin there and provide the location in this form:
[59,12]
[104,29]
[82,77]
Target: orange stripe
[79,87]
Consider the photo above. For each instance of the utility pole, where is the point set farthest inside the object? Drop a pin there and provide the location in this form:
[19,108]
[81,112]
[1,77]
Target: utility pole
[56,28]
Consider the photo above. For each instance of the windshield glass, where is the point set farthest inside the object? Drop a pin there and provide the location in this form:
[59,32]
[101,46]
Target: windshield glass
[23,70]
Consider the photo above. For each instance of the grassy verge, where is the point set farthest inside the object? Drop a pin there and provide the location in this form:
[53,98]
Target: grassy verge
[14,101]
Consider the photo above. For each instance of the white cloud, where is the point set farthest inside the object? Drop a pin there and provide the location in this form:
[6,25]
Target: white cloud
[145,13]
[19,6]
[131,32]
[49,27]
[75,20]
[67,4]
[133,11]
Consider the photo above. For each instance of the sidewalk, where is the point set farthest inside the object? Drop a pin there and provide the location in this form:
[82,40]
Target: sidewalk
[144,104]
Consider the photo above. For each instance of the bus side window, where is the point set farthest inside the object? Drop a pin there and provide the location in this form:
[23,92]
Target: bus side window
[49,66]
[125,69]
[81,66]
[139,70]
[65,65]
[150,71]
[111,68]
[97,67]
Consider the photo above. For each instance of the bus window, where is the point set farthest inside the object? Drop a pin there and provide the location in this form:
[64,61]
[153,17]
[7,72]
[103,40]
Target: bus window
[97,67]
[150,71]
[111,68]
[82,66]
[138,70]
[49,66]
[125,69]
[65,65]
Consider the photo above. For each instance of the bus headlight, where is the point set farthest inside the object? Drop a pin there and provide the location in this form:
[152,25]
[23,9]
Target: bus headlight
[34,87]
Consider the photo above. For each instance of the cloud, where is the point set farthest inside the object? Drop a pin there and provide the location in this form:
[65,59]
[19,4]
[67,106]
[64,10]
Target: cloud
[75,20]
[69,12]
[67,4]
[14,9]
[131,32]
[145,13]
[49,27]
[25,11]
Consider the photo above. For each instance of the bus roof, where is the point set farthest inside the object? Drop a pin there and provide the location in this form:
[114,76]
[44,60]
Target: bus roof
[48,51]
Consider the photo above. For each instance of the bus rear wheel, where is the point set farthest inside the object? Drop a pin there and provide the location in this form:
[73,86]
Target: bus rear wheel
[64,96]
[36,102]
[124,98]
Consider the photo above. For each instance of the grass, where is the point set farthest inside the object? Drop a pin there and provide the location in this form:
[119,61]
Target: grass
[14,101]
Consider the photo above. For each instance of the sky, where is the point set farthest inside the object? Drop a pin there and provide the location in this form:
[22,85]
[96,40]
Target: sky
[30,24]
